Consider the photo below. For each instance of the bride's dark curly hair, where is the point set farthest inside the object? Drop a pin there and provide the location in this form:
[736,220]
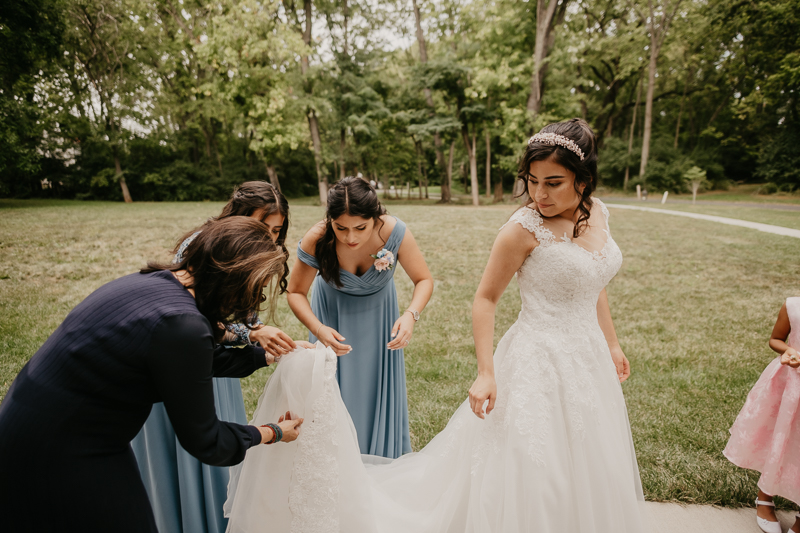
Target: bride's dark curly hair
[579,132]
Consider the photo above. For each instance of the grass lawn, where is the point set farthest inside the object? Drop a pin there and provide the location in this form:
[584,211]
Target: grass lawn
[693,305]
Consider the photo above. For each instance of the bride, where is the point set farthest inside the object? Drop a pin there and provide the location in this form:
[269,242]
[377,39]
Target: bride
[550,449]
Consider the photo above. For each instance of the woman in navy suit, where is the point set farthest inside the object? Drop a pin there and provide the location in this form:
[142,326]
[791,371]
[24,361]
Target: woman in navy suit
[68,418]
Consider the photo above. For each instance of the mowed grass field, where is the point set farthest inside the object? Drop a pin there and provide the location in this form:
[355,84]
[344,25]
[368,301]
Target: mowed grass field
[693,305]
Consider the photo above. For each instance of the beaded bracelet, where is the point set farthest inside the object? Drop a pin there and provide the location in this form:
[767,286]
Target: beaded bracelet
[277,433]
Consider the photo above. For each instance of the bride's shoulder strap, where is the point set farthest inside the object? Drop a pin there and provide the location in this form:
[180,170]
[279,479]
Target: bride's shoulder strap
[603,207]
[531,220]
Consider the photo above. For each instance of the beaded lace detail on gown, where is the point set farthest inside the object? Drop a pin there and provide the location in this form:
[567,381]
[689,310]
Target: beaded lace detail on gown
[559,433]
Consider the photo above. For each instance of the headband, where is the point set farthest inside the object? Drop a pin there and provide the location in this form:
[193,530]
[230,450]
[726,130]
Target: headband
[554,139]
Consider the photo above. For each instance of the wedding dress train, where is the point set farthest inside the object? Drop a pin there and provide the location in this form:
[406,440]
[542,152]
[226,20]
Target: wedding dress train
[555,455]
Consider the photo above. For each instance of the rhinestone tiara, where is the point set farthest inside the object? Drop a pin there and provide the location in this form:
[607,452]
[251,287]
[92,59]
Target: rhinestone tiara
[554,139]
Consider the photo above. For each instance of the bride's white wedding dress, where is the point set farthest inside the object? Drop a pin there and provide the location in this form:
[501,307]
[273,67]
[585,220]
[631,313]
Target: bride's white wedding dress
[555,455]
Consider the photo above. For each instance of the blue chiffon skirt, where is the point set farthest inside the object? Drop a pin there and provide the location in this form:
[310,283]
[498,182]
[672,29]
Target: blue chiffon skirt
[186,495]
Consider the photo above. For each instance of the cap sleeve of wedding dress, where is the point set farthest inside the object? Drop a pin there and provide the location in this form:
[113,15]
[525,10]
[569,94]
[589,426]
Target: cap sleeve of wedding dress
[531,220]
[603,209]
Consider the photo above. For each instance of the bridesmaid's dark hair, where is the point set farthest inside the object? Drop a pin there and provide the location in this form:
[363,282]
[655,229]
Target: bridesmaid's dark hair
[579,132]
[350,196]
[231,262]
[248,198]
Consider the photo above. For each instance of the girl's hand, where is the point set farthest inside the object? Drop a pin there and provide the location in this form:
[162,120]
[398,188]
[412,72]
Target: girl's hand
[622,364]
[304,344]
[484,388]
[791,357]
[333,339]
[401,332]
[273,340]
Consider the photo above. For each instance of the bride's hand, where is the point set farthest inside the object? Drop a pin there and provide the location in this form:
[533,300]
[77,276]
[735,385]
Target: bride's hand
[484,388]
[621,363]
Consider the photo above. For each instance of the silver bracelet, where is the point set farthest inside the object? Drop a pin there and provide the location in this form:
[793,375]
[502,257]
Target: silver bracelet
[319,328]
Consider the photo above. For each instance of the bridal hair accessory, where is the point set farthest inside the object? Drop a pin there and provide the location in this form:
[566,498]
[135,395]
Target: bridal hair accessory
[384,260]
[554,139]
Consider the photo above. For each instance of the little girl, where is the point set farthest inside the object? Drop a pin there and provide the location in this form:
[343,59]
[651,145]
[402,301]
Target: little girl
[766,434]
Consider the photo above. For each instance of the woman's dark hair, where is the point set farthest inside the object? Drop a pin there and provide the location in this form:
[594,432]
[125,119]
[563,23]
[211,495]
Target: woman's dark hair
[578,131]
[350,196]
[248,198]
[231,262]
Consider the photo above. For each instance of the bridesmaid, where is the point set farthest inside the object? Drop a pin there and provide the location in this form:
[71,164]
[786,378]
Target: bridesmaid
[187,495]
[354,308]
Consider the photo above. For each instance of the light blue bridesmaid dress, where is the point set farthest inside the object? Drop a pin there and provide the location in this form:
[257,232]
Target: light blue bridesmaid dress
[371,377]
[187,495]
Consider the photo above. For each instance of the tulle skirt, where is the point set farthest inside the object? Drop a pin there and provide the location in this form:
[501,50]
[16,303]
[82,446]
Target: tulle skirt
[476,476]
[766,434]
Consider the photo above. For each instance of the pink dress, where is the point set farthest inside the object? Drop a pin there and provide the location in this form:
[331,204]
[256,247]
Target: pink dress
[766,434]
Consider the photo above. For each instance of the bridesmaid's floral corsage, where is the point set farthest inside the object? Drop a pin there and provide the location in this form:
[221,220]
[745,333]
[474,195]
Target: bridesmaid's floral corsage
[384,260]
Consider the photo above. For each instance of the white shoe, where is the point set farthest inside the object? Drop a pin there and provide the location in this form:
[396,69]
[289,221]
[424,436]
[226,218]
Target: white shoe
[766,525]
[790,530]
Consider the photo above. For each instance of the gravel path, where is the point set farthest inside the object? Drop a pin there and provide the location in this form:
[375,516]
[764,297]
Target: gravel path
[768,228]
[653,199]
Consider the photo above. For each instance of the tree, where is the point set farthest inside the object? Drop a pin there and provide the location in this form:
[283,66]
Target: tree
[31,34]
[102,39]
[657,19]
[549,14]
[305,25]
[423,58]
[696,178]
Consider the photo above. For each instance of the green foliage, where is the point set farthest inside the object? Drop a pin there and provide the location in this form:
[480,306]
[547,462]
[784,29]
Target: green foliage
[191,98]
[696,175]
[779,159]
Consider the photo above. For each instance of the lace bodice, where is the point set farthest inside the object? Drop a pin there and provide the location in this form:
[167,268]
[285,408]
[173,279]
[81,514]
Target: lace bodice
[560,280]
[556,343]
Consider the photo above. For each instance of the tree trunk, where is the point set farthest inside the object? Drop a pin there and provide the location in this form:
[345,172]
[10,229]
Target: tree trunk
[216,149]
[313,125]
[423,58]
[630,136]
[419,169]
[425,176]
[473,163]
[658,26]
[342,144]
[126,195]
[447,183]
[680,111]
[498,192]
[273,176]
[545,16]
[488,164]
[648,107]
